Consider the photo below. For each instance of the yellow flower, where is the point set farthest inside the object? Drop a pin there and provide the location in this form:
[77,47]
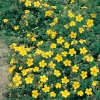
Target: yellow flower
[36,69]
[33,39]
[54,7]
[67,62]
[5,20]
[94,83]
[76,85]
[35,93]
[73,35]
[79,18]
[38,51]
[89,23]
[82,41]
[88,58]
[27,11]
[81,29]
[83,50]
[72,1]
[29,62]
[66,26]
[24,72]
[65,93]
[88,91]
[39,43]
[29,80]
[36,4]
[94,71]
[53,45]
[70,14]
[52,94]
[58,58]
[66,45]
[75,68]
[72,51]
[20,67]
[48,13]
[80,93]
[52,65]
[16,27]
[74,42]
[43,78]
[46,88]
[72,23]
[28,3]
[65,80]
[58,85]
[93,15]
[42,63]
[60,40]
[11,69]
[57,73]
[23,52]
[17,79]
[64,53]
[84,74]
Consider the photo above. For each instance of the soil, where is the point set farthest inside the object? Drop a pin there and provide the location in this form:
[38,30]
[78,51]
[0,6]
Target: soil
[3,69]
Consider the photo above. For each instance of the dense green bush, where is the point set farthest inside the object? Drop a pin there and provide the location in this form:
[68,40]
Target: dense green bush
[55,52]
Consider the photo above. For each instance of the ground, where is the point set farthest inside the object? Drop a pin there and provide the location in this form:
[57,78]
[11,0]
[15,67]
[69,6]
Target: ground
[3,69]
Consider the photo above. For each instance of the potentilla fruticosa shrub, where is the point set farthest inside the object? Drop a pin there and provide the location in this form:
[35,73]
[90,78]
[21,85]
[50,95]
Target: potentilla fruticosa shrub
[57,52]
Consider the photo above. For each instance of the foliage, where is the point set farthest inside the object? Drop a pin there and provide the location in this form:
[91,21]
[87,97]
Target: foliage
[55,52]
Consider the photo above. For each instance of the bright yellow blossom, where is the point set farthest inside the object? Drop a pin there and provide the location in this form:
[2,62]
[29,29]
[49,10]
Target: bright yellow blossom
[94,83]
[52,65]
[49,13]
[90,23]
[88,91]
[29,80]
[16,27]
[66,45]
[43,78]
[53,45]
[72,23]
[28,3]
[5,20]
[76,85]
[36,4]
[72,51]
[42,63]
[35,93]
[58,85]
[75,68]
[65,93]
[94,71]
[46,88]
[67,62]
[84,74]
[52,94]
[73,35]
[80,93]
[58,58]
[57,73]
[79,18]
[29,62]
[60,40]
[81,29]
[65,80]
[83,50]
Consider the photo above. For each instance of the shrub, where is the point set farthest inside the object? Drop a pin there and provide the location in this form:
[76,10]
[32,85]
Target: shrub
[54,49]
